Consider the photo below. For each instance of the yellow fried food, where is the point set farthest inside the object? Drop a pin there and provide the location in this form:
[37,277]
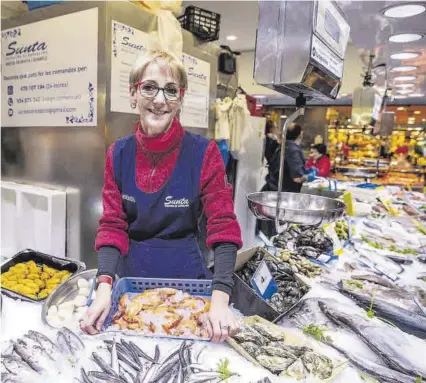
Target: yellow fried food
[31,284]
[34,270]
[31,264]
[64,278]
[49,270]
[33,276]
[53,281]
[44,276]
[41,284]
[43,293]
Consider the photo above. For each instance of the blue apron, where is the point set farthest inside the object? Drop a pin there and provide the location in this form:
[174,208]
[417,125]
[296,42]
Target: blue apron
[162,225]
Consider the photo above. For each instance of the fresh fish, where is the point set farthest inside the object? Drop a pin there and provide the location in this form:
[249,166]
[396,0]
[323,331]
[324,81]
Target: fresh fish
[374,370]
[169,364]
[129,361]
[203,377]
[125,374]
[114,357]
[74,341]
[96,376]
[131,352]
[406,320]
[28,357]
[157,353]
[394,346]
[119,347]
[142,354]
[51,348]
[63,345]
[84,376]
[374,279]
[103,364]
[16,366]
[45,361]
[10,378]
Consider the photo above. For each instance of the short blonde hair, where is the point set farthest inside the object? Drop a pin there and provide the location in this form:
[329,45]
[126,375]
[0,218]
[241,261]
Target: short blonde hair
[161,57]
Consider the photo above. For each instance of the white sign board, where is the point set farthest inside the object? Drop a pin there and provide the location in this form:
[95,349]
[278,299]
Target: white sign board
[49,72]
[195,110]
[127,44]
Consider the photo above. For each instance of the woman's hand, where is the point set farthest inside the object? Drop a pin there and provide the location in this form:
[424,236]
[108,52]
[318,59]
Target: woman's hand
[95,316]
[221,321]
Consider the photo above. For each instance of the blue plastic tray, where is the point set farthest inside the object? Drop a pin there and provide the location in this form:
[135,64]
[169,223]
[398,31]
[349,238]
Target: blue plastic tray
[200,287]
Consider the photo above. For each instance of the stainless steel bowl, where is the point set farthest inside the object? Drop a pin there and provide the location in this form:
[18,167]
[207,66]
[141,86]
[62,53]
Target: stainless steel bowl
[65,292]
[302,209]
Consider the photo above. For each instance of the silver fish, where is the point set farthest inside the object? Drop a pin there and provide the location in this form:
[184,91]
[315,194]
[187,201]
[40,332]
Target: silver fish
[51,348]
[114,357]
[142,354]
[103,364]
[28,356]
[96,376]
[16,366]
[388,342]
[84,376]
[63,345]
[74,341]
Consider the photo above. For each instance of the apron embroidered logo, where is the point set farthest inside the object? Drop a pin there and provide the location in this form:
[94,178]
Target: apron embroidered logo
[170,202]
[128,198]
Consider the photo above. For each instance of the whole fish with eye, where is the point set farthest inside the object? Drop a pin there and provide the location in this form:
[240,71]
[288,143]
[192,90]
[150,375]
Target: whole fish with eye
[391,344]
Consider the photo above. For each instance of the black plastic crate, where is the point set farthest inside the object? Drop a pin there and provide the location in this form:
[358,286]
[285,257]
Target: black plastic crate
[73,266]
[202,23]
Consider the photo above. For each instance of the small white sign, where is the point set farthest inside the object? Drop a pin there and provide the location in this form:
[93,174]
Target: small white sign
[324,56]
[49,72]
[262,277]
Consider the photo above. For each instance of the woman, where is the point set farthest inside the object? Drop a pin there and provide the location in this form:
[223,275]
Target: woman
[156,182]
[271,143]
[318,159]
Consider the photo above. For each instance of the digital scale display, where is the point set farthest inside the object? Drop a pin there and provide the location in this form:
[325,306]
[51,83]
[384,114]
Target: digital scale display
[331,26]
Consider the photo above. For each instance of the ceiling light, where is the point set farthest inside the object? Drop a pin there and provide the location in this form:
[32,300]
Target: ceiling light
[405,55]
[231,38]
[284,116]
[405,37]
[400,108]
[404,85]
[406,10]
[259,96]
[405,68]
[399,96]
[405,78]
[417,112]
[417,95]
[405,91]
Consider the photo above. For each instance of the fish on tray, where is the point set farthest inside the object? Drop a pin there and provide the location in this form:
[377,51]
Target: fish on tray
[163,311]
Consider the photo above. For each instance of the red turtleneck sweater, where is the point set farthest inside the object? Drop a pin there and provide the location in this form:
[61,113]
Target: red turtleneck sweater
[156,159]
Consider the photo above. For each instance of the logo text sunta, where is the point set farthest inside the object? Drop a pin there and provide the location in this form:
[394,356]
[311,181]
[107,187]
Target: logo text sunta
[170,202]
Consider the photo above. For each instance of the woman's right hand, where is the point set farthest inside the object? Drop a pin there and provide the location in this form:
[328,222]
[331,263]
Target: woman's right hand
[95,316]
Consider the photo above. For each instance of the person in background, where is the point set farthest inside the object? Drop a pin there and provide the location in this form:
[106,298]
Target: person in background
[319,159]
[271,143]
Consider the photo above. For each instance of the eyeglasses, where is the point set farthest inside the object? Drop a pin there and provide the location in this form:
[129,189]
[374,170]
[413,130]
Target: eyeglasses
[171,91]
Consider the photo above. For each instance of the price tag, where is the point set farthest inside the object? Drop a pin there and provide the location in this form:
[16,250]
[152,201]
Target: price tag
[347,199]
[263,282]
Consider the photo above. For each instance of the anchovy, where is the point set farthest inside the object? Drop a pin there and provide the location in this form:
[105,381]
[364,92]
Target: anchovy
[103,364]
[140,353]
[114,358]
[129,361]
[15,365]
[376,371]
[125,373]
[76,344]
[27,357]
[10,378]
[131,352]
[84,376]
[157,353]
[104,377]
[408,321]
[64,346]
[384,340]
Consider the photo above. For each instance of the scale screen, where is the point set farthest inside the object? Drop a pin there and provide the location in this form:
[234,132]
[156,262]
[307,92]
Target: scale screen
[331,26]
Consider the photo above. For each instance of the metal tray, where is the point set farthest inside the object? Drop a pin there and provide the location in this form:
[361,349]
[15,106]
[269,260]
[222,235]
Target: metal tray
[200,287]
[57,263]
[245,298]
[65,292]
[302,209]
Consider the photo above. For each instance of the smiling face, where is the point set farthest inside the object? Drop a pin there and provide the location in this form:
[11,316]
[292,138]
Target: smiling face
[156,113]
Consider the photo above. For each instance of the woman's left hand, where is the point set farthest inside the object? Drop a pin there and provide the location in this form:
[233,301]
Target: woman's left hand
[221,321]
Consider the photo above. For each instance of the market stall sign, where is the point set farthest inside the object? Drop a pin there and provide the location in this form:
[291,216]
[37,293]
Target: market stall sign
[49,72]
[263,282]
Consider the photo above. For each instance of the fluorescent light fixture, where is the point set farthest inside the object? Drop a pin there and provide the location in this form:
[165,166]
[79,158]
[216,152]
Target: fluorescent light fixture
[405,37]
[405,78]
[417,95]
[406,10]
[404,91]
[400,108]
[284,116]
[417,112]
[405,68]
[259,96]
[231,38]
[399,96]
[404,85]
[405,55]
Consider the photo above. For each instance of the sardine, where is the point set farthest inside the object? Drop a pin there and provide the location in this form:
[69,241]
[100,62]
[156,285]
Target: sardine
[129,361]
[84,376]
[126,373]
[63,345]
[374,279]
[16,366]
[157,353]
[51,348]
[388,342]
[131,351]
[406,320]
[28,357]
[114,357]
[374,370]
[103,364]
[74,341]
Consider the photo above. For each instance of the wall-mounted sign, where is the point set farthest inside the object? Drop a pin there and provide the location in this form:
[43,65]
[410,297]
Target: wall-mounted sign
[49,72]
[128,44]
